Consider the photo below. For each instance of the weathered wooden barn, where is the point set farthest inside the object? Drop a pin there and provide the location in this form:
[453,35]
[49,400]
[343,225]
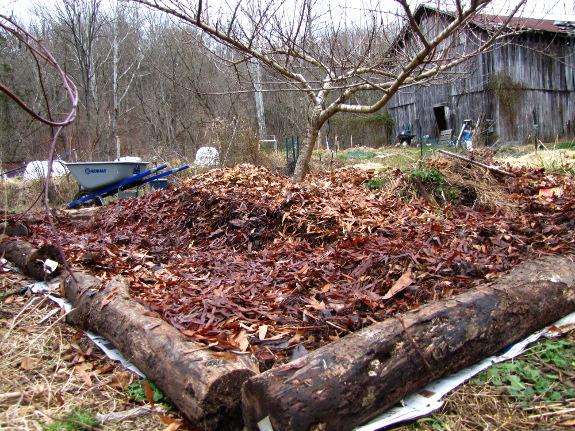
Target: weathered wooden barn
[523,87]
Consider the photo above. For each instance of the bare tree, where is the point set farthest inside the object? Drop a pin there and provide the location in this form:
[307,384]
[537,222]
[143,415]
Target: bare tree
[122,77]
[82,22]
[334,54]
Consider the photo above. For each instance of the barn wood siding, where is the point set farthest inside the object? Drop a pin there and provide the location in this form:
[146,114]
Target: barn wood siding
[541,65]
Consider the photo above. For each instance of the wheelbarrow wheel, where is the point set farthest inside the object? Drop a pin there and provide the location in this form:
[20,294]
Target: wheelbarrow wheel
[96,201]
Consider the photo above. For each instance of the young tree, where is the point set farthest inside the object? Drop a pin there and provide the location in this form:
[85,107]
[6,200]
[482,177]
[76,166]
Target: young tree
[333,53]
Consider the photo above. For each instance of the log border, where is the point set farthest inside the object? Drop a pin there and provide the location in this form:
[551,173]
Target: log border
[205,388]
[222,394]
[349,382]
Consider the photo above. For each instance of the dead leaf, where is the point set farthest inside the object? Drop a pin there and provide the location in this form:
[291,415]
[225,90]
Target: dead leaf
[296,338]
[550,192]
[121,381]
[105,369]
[83,375]
[262,332]
[314,304]
[173,425]
[27,364]
[149,393]
[109,297]
[226,355]
[241,341]
[554,328]
[402,283]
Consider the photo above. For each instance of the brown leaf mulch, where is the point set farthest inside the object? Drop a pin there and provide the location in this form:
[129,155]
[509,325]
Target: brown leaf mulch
[241,259]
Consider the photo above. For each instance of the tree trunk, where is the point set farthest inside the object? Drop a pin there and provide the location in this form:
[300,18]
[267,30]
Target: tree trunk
[205,387]
[349,382]
[31,261]
[312,132]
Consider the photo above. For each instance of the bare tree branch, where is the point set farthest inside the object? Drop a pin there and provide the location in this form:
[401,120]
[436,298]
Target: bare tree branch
[36,47]
[321,51]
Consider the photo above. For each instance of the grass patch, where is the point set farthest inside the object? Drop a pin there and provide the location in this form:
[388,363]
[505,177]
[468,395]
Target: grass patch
[76,420]
[545,373]
[565,146]
[357,155]
[375,184]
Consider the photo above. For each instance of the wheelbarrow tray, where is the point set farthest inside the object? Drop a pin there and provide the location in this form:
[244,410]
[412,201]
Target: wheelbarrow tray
[97,175]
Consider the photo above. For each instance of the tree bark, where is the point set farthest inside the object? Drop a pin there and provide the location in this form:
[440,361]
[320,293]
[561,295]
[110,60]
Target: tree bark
[30,260]
[309,142]
[349,382]
[206,388]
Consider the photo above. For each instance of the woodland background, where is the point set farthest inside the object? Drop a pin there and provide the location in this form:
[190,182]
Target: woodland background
[149,87]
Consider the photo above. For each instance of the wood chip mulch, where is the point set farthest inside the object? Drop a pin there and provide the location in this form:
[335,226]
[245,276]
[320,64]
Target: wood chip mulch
[242,260]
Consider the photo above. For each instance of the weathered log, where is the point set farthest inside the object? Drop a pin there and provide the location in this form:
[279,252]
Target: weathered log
[205,387]
[14,228]
[348,382]
[30,260]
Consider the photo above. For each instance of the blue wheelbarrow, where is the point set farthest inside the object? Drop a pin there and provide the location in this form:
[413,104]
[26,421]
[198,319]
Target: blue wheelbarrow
[100,179]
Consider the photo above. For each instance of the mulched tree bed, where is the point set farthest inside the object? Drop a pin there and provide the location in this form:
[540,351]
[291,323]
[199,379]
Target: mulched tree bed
[242,260]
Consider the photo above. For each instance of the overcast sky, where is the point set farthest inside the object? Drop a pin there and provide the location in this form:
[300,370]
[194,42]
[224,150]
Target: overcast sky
[550,9]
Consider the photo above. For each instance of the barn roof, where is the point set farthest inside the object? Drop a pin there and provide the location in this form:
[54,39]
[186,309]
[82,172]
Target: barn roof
[486,21]
[527,24]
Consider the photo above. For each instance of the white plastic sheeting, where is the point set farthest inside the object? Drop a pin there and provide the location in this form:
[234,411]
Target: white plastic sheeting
[39,169]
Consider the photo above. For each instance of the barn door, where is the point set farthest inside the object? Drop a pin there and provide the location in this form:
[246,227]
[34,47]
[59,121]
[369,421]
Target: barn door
[441,113]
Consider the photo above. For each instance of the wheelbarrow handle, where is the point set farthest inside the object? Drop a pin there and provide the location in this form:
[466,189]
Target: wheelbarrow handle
[163,174]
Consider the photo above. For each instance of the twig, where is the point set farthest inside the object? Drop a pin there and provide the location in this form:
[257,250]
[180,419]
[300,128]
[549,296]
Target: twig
[557,412]
[414,344]
[9,395]
[483,165]
[209,346]
[14,291]
[116,417]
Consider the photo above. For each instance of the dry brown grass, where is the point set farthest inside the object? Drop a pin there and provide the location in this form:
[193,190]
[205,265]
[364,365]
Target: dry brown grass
[473,187]
[18,195]
[49,369]
[488,408]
